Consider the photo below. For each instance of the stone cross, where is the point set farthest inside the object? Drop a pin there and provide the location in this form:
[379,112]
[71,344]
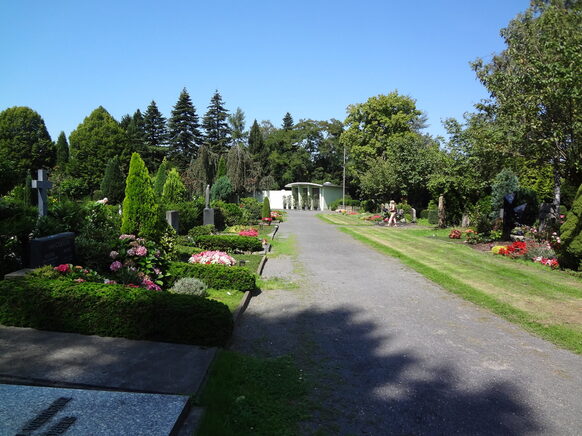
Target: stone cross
[207,196]
[43,185]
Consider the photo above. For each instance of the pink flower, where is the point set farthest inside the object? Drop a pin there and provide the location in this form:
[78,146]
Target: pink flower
[141,251]
[150,285]
[113,255]
[157,271]
[79,280]
[127,237]
[109,282]
[131,252]
[62,268]
[115,266]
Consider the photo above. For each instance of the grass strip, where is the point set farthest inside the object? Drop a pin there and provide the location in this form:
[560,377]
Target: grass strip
[343,220]
[230,297]
[251,396]
[558,334]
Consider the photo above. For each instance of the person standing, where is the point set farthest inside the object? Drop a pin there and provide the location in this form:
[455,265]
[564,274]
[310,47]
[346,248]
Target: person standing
[392,211]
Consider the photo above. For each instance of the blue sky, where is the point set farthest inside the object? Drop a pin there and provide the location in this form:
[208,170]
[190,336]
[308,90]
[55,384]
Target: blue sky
[310,58]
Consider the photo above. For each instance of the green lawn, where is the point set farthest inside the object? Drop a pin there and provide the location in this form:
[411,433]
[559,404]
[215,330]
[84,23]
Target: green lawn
[345,220]
[543,301]
[230,297]
[249,396]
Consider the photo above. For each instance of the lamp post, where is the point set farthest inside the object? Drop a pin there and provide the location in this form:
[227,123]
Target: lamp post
[344,182]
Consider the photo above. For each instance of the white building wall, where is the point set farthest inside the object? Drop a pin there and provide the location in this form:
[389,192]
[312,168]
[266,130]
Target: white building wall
[275,197]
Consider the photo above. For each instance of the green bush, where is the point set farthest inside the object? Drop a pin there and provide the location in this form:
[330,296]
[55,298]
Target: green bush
[207,229]
[251,209]
[216,276]
[227,214]
[113,183]
[432,213]
[190,286]
[185,252]
[190,213]
[228,243]
[423,214]
[113,310]
[338,203]
[570,250]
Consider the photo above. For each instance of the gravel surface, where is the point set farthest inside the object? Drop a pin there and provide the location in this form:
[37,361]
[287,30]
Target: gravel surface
[391,353]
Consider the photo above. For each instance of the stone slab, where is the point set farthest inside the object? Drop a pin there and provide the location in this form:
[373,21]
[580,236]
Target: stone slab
[67,359]
[27,410]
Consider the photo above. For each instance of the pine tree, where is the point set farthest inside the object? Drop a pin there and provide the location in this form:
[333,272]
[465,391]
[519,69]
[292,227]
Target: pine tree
[113,183]
[156,133]
[236,122]
[141,214]
[258,149]
[161,177]
[174,190]
[288,122]
[62,150]
[199,172]
[184,131]
[217,131]
[266,211]
[136,140]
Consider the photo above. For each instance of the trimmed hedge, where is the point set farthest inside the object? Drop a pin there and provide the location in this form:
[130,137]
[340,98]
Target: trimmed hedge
[228,243]
[216,276]
[113,310]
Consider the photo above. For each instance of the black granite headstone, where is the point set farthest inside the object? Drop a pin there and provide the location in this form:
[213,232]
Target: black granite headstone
[52,250]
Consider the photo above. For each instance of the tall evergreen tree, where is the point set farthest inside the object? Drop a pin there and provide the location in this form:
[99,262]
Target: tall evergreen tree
[199,172]
[258,149]
[221,168]
[184,131]
[217,131]
[239,169]
[124,122]
[174,190]
[288,122]
[93,144]
[161,176]
[113,183]
[136,140]
[62,150]
[156,132]
[236,122]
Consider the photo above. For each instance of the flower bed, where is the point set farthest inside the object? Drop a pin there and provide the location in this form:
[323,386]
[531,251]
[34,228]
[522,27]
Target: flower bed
[212,258]
[228,243]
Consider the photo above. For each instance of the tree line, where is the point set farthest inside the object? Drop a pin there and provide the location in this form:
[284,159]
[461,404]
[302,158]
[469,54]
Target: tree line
[530,126]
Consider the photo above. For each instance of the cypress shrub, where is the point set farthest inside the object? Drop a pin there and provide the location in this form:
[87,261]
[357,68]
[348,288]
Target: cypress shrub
[160,179]
[570,251]
[174,190]
[113,183]
[229,243]
[113,310]
[141,214]
[216,276]
[266,212]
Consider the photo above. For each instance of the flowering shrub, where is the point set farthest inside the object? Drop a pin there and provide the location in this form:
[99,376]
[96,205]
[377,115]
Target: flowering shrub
[372,218]
[455,234]
[555,241]
[497,248]
[471,236]
[249,232]
[552,263]
[78,273]
[212,258]
[275,214]
[267,220]
[138,262]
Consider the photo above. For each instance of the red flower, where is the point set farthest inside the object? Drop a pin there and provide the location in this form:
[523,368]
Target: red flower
[62,268]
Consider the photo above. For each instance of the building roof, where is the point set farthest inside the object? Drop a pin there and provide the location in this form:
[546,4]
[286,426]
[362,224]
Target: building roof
[326,184]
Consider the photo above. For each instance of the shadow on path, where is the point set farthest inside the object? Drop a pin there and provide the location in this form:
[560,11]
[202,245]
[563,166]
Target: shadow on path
[363,384]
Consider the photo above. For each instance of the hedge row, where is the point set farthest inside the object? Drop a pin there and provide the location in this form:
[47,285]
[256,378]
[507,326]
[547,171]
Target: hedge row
[229,243]
[113,310]
[216,276]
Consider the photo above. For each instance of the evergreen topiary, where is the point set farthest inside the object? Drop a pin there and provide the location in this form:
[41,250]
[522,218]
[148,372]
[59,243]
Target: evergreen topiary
[141,214]
[190,286]
[174,190]
[221,189]
[113,183]
[570,251]
[160,179]
[266,212]
[504,183]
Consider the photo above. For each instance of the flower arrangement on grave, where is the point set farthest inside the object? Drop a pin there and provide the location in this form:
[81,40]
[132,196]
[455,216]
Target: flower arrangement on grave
[78,273]
[267,219]
[212,258]
[471,236]
[372,218]
[138,262]
[249,232]
[275,214]
[455,234]
[552,263]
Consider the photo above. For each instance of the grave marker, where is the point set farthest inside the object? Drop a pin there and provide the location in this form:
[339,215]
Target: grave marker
[42,185]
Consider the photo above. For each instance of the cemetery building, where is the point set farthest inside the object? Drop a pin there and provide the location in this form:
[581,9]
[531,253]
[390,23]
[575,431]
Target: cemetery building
[303,195]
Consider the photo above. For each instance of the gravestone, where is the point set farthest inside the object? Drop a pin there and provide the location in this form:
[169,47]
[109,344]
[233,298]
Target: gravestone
[545,215]
[465,221]
[173,219]
[42,185]
[413,215]
[208,214]
[51,250]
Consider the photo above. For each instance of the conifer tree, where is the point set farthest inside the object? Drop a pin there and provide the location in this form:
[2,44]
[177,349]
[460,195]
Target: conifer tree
[113,183]
[141,214]
[160,179]
[236,123]
[184,131]
[199,172]
[266,211]
[221,169]
[156,132]
[239,169]
[258,149]
[217,135]
[288,122]
[62,150]
[174,190]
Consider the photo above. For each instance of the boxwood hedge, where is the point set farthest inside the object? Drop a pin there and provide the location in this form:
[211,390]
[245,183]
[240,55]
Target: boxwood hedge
[216,276]
[113,310]
[229,243]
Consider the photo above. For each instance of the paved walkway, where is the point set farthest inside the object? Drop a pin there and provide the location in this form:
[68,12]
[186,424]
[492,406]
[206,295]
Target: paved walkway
[391,353]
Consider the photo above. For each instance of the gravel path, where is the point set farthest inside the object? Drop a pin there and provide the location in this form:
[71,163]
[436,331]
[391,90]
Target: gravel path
[391,353]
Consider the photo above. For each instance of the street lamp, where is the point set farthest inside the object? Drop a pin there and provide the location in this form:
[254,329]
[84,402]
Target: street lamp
[344,182]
